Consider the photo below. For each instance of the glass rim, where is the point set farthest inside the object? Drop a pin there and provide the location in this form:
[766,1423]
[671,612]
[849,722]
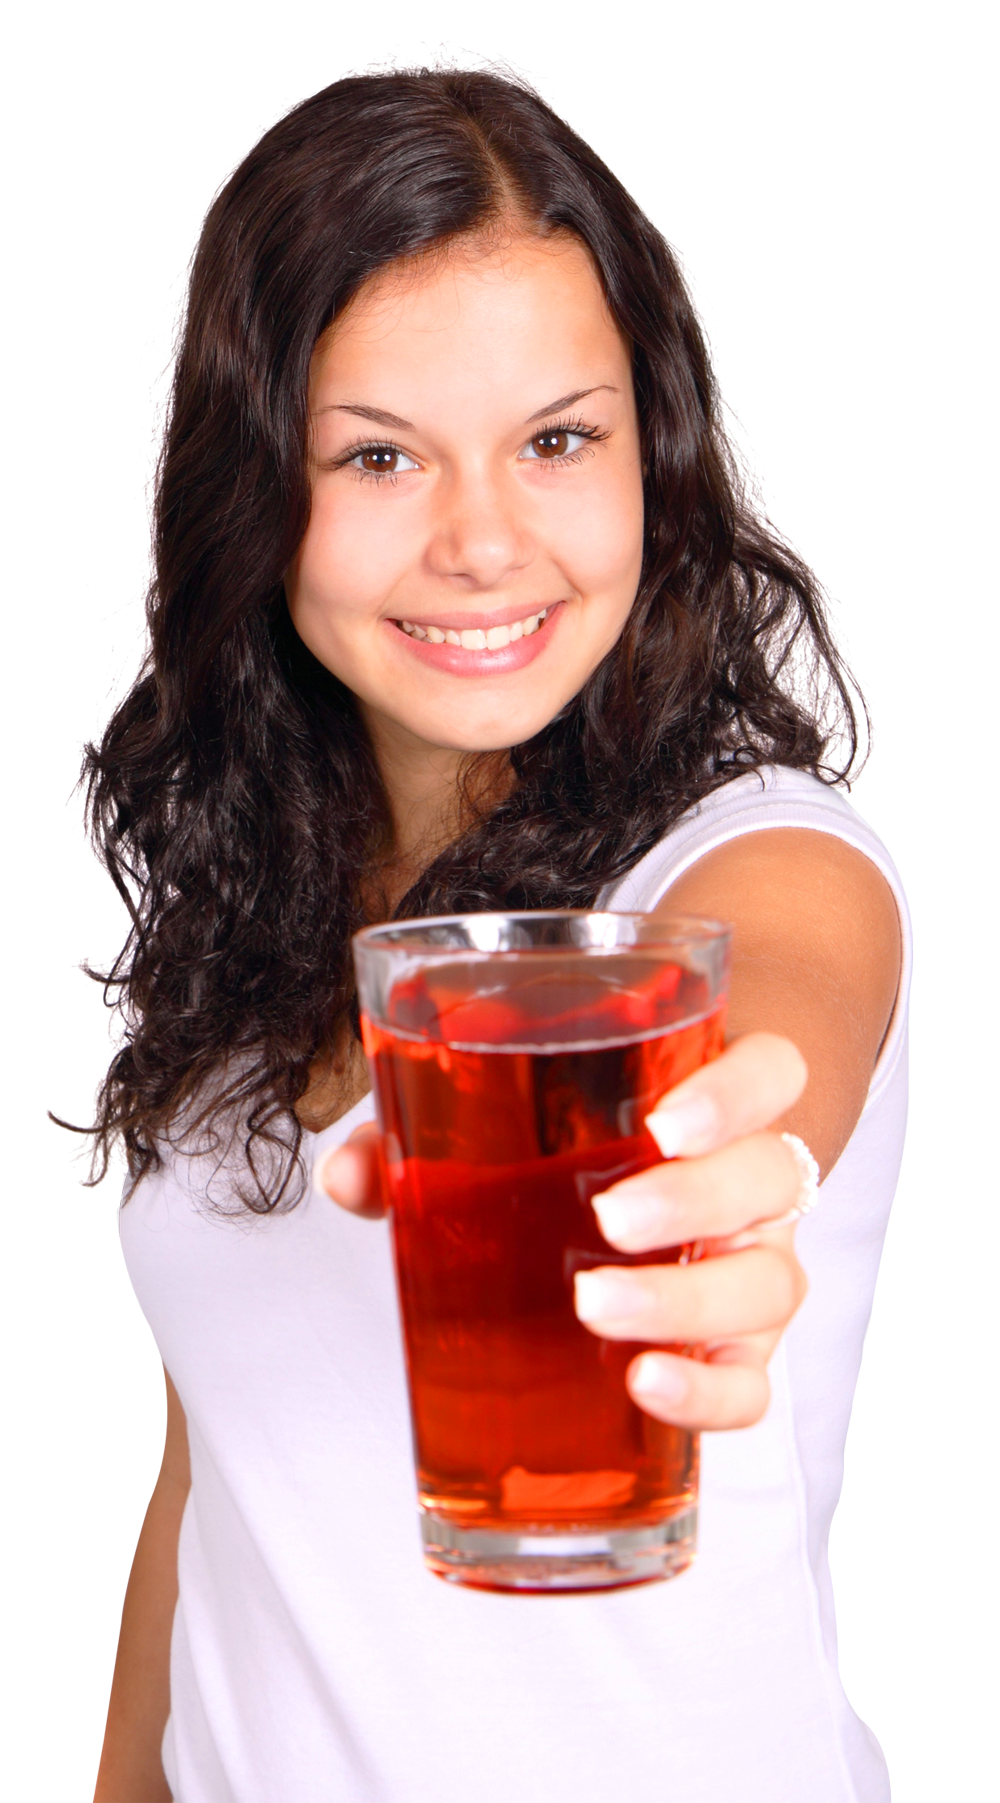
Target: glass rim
[668,930]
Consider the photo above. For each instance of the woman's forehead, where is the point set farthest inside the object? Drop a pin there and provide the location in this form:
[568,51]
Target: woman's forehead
[498,309]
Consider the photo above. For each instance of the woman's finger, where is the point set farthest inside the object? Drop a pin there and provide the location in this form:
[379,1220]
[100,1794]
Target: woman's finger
[729,1388]
[714,1197]
[754,1081]
[710,1299]
[350,1174]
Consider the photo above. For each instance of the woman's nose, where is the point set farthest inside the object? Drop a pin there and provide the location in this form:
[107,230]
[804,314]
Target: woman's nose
[478,535]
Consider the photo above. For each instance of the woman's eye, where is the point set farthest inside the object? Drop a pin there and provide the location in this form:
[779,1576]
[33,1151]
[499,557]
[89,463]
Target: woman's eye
[547,447]
[382,460]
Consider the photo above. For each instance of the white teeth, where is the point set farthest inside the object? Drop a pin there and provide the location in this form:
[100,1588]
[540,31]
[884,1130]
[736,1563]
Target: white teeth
[472,638]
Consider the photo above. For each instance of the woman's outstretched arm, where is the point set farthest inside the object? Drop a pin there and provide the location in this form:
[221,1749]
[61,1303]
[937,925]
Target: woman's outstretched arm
[131,1770]
[816,965]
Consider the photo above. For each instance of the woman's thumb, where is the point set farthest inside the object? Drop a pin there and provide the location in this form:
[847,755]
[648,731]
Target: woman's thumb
[349,1174]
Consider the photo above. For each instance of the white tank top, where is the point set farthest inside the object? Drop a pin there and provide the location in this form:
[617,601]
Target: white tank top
[314,1660]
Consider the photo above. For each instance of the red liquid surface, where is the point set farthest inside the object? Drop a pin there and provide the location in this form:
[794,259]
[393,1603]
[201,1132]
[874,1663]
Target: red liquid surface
[520,1415]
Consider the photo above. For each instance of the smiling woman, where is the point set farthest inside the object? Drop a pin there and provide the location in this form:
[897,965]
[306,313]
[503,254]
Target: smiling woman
[459,606]
[437,193]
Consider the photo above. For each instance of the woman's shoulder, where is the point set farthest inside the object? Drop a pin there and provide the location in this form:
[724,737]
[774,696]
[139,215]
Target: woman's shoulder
[775,797]
[769,797]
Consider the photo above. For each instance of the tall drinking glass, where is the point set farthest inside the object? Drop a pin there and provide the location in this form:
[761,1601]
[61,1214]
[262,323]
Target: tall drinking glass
[514,1058]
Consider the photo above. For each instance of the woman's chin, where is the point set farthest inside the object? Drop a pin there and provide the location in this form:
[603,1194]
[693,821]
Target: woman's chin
[467,740]
[461,731]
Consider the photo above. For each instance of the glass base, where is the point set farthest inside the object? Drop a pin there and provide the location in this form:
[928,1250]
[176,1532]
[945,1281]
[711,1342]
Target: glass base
[591,1558]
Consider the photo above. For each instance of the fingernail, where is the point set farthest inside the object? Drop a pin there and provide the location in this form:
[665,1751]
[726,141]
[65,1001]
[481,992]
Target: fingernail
[623,1215]
[680,1127]
[658,1378]
[604,1296]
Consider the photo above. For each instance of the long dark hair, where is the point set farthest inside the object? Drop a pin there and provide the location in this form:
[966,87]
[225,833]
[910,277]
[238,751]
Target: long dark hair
[234,797]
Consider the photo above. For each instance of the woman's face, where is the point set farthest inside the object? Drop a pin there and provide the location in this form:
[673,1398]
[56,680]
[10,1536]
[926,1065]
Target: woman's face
[475,539]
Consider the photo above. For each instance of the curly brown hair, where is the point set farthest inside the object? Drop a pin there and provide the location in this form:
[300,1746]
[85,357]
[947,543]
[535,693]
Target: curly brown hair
[235,797]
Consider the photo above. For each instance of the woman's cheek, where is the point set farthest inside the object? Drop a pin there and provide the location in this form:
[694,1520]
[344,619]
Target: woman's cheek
[602,535]
[349,566]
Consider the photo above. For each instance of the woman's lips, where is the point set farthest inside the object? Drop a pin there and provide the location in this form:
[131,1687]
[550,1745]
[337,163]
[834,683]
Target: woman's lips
[463,660]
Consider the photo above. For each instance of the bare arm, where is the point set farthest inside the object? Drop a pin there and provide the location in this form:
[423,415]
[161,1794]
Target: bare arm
[816,957]
[131,1770]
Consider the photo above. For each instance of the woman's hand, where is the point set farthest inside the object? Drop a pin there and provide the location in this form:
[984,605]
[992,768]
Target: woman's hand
[727,1178]
[727,1175]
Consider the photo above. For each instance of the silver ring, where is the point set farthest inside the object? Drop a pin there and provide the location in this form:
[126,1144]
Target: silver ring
[808,1184]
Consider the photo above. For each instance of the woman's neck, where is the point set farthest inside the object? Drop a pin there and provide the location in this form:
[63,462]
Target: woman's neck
[431,797]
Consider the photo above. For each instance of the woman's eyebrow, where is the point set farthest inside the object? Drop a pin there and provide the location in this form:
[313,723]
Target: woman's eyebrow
[380,417]
[568,400]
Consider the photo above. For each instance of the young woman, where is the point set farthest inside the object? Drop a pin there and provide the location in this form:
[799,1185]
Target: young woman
[458,606]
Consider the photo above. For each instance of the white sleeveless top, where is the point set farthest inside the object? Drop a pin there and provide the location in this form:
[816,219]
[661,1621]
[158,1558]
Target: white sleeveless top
[314,1660]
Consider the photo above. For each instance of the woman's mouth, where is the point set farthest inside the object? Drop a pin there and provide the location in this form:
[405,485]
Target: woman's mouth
[487,648]
[474,638]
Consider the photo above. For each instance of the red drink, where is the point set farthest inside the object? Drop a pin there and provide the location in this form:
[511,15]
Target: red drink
[505,1108]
